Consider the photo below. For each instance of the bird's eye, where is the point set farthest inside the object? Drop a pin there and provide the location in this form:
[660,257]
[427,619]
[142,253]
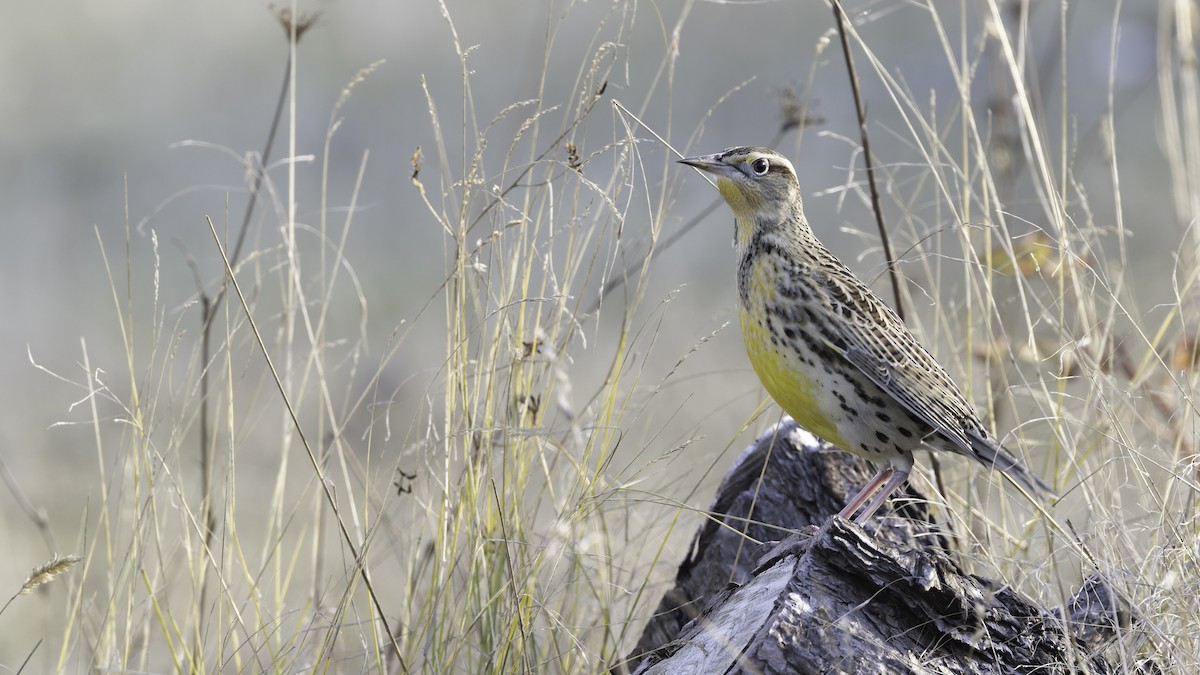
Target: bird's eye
[760,166]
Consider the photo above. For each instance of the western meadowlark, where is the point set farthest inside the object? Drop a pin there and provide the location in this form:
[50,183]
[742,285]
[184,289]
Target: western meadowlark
[828,350]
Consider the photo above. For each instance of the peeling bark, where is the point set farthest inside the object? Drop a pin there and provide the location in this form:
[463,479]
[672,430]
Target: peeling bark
[838,598]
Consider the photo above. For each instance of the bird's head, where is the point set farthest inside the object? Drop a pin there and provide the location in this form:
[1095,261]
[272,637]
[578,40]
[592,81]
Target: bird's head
[754,181]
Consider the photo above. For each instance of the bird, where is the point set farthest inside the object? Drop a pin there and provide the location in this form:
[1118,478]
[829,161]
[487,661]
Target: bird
[831,352]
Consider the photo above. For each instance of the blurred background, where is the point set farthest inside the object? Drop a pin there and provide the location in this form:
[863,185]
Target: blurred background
[126,124]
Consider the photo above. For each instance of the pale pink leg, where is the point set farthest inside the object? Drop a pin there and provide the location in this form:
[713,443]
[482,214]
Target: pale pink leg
[858,499]
[897,478]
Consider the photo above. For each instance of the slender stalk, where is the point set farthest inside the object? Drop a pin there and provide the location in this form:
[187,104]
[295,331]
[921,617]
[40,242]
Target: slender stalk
[208,312]
[839,17]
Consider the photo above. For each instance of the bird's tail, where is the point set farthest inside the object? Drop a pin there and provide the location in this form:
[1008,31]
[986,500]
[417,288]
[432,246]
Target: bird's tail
[991,453]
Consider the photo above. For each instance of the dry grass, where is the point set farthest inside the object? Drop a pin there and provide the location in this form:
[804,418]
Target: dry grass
[513,505]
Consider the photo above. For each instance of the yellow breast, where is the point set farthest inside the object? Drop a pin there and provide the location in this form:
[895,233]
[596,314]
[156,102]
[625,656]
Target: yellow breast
[780,362]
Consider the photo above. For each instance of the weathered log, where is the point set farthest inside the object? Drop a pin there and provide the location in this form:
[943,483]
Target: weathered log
[841,598]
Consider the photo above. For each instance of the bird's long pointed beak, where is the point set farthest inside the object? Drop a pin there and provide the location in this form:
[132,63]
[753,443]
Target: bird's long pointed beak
[709,163]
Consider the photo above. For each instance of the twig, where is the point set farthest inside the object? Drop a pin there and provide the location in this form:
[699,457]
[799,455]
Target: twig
[512,580]
[839,17]
[360,560]
[209,305]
